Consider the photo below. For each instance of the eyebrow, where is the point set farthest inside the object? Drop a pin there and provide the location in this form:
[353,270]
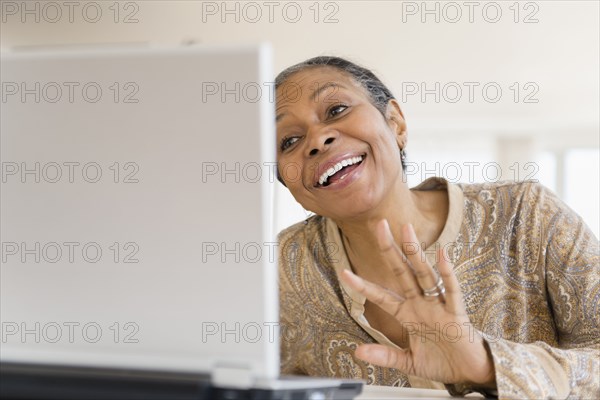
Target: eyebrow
[315,94]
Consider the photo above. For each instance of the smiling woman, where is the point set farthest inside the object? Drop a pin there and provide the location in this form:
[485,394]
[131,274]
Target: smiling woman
[476,287]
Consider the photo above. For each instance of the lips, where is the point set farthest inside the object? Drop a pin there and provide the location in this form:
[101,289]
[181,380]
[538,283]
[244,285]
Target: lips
[337,168]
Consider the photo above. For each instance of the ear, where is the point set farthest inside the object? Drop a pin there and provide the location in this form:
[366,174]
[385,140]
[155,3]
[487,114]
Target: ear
[396,121]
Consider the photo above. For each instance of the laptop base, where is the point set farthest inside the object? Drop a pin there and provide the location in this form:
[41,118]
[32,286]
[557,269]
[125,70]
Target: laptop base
[28,381]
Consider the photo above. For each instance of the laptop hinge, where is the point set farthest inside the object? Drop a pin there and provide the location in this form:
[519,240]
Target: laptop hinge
[234,376]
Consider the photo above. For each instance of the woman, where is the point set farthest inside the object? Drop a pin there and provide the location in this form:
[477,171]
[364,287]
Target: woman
[489,287]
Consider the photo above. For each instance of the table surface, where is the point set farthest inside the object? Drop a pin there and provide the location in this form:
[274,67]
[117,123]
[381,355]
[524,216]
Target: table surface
[371,392]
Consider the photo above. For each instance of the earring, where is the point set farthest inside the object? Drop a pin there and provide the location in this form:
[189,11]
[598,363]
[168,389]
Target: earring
[402,155]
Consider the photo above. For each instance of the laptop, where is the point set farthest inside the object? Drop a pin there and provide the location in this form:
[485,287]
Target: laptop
[138,248]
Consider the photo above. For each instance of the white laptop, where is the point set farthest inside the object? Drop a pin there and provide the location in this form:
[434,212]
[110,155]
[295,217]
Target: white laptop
[138,248]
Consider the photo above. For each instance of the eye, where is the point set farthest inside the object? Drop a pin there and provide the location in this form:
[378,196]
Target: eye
[286,142]
[336,110]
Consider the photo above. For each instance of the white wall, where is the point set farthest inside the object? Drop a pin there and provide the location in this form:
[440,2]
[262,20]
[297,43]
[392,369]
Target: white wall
[553,48]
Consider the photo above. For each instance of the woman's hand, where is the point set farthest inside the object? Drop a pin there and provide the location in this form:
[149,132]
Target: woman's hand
[443,345]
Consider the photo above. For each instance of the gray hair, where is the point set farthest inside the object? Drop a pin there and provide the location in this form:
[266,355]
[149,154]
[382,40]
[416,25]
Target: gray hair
[380,95]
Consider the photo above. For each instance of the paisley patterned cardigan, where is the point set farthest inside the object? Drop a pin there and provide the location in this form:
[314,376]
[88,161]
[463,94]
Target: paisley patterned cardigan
[528,267]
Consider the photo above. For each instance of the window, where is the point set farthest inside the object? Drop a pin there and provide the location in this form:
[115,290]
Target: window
[581,184]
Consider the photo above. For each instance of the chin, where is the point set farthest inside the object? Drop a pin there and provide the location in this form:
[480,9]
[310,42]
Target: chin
[353,205]
[351,209]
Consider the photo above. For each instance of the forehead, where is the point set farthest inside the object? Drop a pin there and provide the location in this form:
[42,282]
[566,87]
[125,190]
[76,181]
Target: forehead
[304,84]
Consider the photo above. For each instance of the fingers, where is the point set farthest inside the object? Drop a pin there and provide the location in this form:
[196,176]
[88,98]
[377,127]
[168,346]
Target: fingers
[453,295]
[410,265]
[396,260]
[384,356]
[427,278]
[389,301]
[415,276]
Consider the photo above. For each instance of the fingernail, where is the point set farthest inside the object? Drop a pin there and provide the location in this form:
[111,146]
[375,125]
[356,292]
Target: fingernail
[384,235]
[351,275]
[410,231]
[372,354]
[386,225]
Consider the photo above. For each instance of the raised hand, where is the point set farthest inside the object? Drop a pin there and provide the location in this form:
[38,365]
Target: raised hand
[443,346]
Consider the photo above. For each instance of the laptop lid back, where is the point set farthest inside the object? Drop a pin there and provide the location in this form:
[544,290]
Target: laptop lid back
[136,207]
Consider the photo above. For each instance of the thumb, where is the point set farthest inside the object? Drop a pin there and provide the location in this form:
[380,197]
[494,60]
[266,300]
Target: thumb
[383,356]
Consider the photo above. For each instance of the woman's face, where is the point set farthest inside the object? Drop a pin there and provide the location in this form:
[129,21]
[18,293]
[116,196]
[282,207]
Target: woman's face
[337,154]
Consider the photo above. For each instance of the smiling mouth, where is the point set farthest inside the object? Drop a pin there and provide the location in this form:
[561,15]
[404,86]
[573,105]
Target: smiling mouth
[340,170]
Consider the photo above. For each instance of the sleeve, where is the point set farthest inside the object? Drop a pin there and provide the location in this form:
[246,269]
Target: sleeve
[538,370]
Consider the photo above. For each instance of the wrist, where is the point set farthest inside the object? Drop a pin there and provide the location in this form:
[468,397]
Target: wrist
[484,375]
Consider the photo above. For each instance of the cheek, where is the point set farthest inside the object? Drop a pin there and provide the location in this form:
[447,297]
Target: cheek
[382,141]
[372,127]
[290,172]
[304,198]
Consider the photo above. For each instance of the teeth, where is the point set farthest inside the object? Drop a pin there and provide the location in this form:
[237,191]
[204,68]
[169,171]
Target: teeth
[333,170]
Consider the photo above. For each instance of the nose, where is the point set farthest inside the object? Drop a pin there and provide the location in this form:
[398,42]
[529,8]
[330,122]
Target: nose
[320,140]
